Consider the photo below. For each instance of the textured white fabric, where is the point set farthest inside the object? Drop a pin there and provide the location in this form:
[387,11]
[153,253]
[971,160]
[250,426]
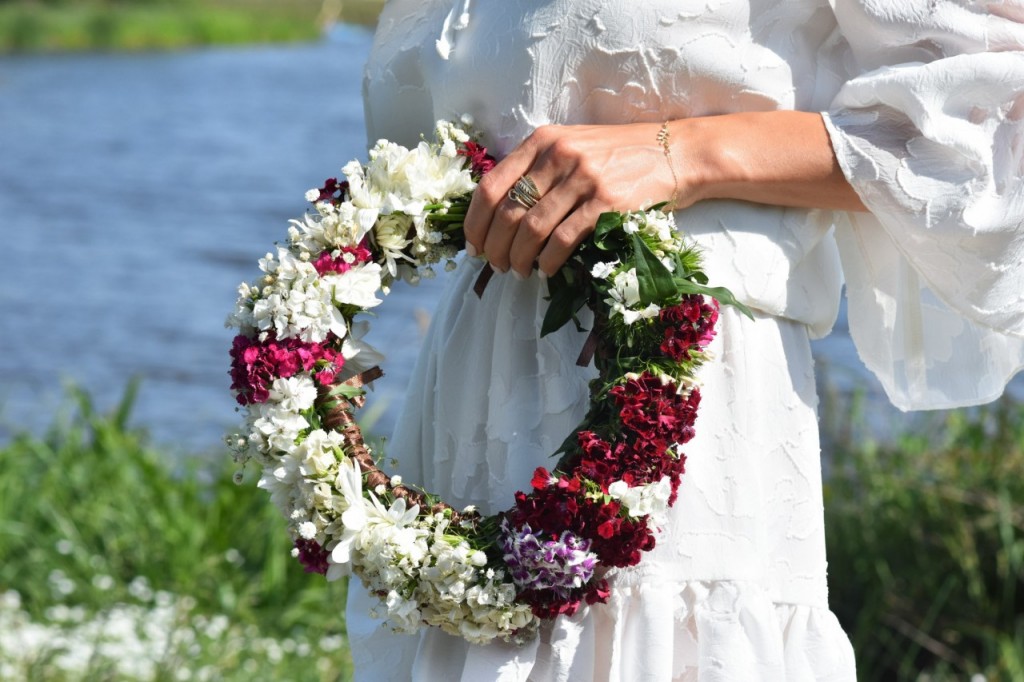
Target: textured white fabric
[925,118]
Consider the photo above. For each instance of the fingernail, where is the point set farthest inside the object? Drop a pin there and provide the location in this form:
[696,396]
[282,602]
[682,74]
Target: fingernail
[519,277]
[470,250]
[542,275]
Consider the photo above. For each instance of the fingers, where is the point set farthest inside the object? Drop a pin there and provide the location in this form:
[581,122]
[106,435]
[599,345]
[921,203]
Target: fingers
[491,193]
[535,227]
[517,238]
[501,233]
[569,234]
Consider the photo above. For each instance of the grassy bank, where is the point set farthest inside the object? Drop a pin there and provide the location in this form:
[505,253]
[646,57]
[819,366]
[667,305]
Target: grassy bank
[36,26]
[118,563]
[926,548]
[115,566]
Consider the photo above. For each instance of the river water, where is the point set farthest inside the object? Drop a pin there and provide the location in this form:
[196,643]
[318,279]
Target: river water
[137,191]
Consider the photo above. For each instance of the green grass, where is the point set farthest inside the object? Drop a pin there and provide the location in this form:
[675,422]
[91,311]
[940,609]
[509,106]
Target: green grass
[118,561]
[101,534]
[34,26]
[926,547]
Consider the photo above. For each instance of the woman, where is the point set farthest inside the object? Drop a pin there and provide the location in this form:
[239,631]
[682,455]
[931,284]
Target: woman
[909,185]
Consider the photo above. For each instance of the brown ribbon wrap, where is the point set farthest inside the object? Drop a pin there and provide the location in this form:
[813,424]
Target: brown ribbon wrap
[337,414]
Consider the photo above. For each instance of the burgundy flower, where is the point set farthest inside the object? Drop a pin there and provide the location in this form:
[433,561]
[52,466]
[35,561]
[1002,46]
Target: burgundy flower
[480,161]
[255,364]
[312,556]
[689,326]
[333,190]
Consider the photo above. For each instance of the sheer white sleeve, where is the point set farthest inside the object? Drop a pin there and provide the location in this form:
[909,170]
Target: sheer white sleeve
[931,136]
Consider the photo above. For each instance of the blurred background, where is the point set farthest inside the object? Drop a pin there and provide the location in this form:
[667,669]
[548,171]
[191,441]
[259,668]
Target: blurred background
[150,152]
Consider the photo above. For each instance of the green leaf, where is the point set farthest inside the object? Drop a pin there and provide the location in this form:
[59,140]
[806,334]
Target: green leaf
[720,294]
[656,282]
[565,299]
[607,224]
[346,390]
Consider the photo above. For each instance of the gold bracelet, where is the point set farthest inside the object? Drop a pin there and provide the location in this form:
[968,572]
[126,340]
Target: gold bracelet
[663,141]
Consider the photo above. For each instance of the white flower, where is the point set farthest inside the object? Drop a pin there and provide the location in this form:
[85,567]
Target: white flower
[294,394]
[647,500]
[317,453]
[660,225]
[358,286]
[401,180]
[296,303]
[312,195]
[274,428]
[348,482]
[631,316]
[283,483]
[626,288]
[403,614]
[242,318]
[359,355]
[307,530]
[445,130]
[625,295]
[602,270]
[330,228]
[391,235]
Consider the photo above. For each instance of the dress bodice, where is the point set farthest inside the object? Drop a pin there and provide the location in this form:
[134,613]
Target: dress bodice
[921,99]
[514,66]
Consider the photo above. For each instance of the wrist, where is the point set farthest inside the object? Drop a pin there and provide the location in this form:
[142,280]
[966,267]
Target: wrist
[711,161]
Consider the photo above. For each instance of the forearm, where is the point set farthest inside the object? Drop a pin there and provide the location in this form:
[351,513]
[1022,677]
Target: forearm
[777,157]
[782,158]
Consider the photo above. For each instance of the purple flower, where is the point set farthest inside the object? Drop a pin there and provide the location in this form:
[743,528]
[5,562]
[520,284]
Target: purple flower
[560,564]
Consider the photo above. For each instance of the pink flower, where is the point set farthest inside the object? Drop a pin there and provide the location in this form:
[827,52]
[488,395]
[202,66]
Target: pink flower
[255,364]
[349,257]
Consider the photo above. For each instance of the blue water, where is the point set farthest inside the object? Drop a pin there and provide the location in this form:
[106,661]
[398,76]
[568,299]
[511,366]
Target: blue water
[137,191]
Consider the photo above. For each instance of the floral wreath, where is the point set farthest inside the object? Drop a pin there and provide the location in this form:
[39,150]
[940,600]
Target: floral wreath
[299,368]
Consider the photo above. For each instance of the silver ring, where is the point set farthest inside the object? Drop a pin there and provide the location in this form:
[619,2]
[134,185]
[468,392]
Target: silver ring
[525,192]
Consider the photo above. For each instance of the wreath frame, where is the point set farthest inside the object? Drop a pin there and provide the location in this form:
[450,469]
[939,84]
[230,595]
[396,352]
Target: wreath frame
[475,576]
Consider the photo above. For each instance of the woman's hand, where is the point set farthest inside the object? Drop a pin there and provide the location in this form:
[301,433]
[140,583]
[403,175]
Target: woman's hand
[781,158]
[580,172]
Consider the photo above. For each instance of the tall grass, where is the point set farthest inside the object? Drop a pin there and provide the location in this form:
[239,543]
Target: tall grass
[118,562]
[33,26]
[926,547]
[113,555]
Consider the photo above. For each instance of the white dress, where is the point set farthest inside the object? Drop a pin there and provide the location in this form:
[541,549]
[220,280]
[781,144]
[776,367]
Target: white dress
[925,108]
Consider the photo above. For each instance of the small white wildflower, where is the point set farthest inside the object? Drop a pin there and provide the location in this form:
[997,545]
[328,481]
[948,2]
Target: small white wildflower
[307,530]
[602,270]
[380,489]
[140,589]
[65,547]
[396,480]
[102,582]
[312,195]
